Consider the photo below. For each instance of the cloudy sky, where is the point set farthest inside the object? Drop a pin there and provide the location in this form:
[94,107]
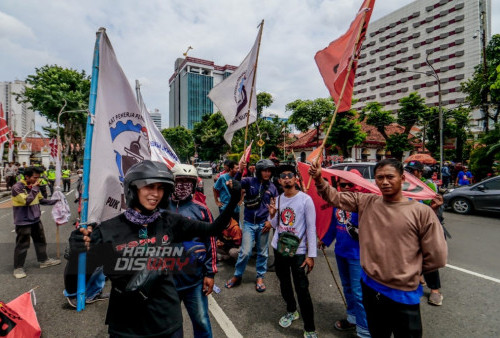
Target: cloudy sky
[148,36]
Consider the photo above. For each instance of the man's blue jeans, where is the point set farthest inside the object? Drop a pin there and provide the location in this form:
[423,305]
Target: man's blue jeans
[350,275]
[196,304]
[253,233]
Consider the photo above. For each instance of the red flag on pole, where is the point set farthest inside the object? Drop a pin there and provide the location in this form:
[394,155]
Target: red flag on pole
[18,318]
[314,154]
[333,61]
[245,159]
[412,188]
[4,129]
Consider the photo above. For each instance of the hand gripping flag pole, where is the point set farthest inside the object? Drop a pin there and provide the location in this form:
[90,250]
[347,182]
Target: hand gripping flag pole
[82,258]
[351,53]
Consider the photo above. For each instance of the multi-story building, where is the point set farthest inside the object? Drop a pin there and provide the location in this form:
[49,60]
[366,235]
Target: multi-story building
[20,117]
[156,117]
[189,86]
[446,32]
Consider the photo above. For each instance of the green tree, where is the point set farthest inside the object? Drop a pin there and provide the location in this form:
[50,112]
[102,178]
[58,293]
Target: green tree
[310,113]
[486,82]
[264,100]
[181,140]
[46,92]
[209,135]
[412,110]
[346,132]
[482,157]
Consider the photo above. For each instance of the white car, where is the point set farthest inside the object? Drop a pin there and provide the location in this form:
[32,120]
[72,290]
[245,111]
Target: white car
[204,169]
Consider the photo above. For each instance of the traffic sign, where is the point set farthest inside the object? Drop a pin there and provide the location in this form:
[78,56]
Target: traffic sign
[261,143]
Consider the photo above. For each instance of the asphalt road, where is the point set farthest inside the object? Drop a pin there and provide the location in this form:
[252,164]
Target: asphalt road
[470,307]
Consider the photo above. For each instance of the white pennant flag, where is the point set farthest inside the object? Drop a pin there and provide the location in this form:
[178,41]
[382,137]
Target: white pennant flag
[11,146]
[159,147]
[233,95]
[120,138]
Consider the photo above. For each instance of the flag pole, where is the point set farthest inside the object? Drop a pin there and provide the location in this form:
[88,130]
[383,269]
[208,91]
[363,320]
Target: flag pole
[301,181]
[253,83]
[82,258]
[337,104]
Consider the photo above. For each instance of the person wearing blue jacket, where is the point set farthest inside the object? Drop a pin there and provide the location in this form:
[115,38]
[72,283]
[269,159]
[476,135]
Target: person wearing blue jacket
[259,192]
[344,229]
[194,281]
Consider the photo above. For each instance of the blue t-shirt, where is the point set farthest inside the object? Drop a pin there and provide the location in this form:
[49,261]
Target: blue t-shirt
[400,296]
[461,180]
[345,246]
[223,190]
[252,186]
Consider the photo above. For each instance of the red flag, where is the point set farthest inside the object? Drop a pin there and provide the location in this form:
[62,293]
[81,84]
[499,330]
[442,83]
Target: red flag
[412,188]
[53,148]
[18,318]
[312,156]
[4,129]
[245,159]
[333,61]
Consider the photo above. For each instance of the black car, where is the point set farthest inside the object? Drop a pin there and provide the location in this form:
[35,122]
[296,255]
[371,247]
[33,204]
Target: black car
[482,196]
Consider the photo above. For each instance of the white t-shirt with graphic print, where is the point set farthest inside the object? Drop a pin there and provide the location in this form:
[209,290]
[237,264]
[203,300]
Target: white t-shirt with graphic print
[296,215]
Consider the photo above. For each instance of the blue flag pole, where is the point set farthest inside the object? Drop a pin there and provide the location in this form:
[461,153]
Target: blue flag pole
[82,258]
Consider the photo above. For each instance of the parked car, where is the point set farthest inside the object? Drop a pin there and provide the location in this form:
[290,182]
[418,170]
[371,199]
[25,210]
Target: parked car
[482,196]
[204,169]
[365,168]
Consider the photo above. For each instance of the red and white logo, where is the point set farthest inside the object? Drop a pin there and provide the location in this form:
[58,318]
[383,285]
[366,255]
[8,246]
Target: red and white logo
[288,217]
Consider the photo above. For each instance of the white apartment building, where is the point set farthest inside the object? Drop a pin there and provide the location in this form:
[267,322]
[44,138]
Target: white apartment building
[20,117]
[448,32]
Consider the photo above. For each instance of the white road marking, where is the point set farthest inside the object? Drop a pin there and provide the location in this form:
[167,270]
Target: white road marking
[473,273]
[224,322]
[69,192]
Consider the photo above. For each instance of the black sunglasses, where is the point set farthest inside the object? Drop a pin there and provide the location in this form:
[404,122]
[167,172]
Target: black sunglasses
[346,185]
[289,175]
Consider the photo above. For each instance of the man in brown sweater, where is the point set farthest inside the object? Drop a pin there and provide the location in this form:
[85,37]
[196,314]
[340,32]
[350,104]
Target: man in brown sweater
[399,239]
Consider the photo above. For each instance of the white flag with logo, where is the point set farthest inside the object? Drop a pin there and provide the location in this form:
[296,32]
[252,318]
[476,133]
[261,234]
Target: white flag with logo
[159,147]
[235,96]
[120,138]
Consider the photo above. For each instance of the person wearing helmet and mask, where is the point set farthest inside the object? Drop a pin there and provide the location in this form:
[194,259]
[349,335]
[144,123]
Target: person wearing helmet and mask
[259,193]
[137,252]
[196,282]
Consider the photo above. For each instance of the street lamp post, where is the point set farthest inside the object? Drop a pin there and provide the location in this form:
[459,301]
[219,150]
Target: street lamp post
[61,112]
[440,112]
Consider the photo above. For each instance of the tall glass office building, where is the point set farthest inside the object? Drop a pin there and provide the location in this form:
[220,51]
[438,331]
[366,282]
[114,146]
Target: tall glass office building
[189,86]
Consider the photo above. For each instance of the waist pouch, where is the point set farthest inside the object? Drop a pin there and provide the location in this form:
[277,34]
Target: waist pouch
[141,284]
[288,244]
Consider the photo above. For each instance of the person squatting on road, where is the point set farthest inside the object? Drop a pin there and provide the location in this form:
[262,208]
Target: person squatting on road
[196,280]
[398,239]
[26,199]
[259,192]
[294,219]
[138,253]
[344,231]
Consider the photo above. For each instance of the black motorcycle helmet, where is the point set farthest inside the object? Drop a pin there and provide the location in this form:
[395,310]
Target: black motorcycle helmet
[263,165]
[414,165]
[142,174]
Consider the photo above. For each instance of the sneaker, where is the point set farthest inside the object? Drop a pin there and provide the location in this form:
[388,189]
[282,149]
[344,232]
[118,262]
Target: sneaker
[99,297]
[311,334]
[436,298]
[71,301]
[19,273]
[287,319]
[49,262]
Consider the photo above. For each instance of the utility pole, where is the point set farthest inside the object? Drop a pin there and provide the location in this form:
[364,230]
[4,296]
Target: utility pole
[484,91]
